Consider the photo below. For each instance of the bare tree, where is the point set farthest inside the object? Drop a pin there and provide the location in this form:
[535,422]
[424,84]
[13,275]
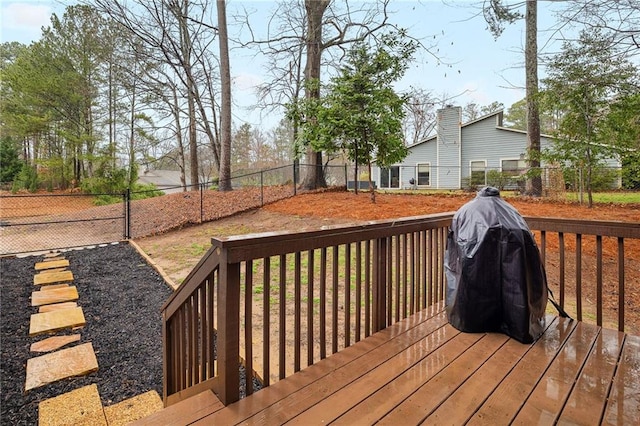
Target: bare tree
[420,115]
[225,106]
[497,16]
[177,32]
[534,182]
[620,19]
[310,28]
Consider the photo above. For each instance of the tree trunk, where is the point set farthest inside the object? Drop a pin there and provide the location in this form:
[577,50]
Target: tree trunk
[176,118]
[534,182]
[372,190]
[132,135]
[314,177]
[225,100]
[186,46]
[112,115]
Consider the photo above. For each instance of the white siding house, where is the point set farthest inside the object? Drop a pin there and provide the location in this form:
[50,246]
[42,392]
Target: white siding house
[459,152]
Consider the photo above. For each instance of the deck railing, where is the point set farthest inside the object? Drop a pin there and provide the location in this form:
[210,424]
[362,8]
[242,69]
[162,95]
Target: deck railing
[588,263]
[278,302]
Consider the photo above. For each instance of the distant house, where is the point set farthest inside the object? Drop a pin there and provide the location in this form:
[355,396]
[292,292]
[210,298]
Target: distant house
[165,180]
[459,153]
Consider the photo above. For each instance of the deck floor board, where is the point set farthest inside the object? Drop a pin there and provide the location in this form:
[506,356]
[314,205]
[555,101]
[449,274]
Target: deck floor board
[624,399]
[399,370]
[554,387]
[588,398]
[423,371]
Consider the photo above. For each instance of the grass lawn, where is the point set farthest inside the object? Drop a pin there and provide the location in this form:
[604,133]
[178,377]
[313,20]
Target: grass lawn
[616,197]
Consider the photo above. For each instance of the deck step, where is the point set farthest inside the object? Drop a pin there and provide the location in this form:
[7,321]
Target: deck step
[185,412]
[53,343]
[133,409]
[56,320]
[56,295]
[75,361]
[52,264]
[53,278]
[78,407]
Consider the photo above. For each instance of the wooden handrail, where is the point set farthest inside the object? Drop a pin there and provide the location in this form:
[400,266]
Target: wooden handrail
[255,246]
[584,227]
[619,232]
[198,274]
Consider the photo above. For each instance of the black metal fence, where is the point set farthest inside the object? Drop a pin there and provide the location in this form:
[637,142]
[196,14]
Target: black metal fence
[40,222]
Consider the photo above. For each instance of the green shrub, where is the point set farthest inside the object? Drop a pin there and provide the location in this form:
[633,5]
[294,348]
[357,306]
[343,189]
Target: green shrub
[602,178]
[498,179]
[26,179]
[110,183]
[10,163]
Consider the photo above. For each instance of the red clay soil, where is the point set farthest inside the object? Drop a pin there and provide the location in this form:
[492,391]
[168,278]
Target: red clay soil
[359,207]
[387,206]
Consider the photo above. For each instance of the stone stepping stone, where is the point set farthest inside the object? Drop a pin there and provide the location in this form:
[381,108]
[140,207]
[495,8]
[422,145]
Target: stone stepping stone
[49,271]
[51,264]
[52,343]
[74,361]
[56,295]
[78,407]
[53,286]
[133,409]
[57,306]
[52,278]
[56,320]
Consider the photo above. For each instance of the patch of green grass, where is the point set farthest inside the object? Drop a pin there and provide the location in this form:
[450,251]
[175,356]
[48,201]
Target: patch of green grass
[228,230]
[198,250]
[615,197]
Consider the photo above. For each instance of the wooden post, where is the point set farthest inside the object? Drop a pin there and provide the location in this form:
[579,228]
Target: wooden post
[166,358]
[228,337]
[380,285]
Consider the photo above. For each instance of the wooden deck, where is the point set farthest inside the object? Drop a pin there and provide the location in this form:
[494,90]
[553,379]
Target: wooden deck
[422,370]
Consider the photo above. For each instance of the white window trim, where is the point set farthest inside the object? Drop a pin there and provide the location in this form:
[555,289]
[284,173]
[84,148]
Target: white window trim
[428,164]
[379,184]
[471,169]
[518,159]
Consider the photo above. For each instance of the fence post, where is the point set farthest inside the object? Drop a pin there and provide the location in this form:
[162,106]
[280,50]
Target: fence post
[127,213]
[295,178]
[261,188]
[346,178]
[201,202]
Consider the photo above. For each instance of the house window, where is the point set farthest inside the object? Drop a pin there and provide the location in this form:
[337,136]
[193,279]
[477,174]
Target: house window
[390,178]
[513,167]
[424,174]
[478,173]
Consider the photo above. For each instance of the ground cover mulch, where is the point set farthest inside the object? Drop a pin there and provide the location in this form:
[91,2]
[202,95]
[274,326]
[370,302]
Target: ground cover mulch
[121,296]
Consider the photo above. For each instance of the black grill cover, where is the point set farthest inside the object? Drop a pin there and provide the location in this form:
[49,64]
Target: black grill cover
[495,278]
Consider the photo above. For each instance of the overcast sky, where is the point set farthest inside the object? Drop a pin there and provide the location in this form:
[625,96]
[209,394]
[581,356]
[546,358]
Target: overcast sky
[482,69]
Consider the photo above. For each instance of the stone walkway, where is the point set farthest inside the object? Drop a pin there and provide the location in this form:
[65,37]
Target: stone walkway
[60,317]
